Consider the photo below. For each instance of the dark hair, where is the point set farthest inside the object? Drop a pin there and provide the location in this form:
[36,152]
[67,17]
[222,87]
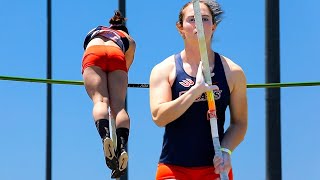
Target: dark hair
[213,6]
[117,22]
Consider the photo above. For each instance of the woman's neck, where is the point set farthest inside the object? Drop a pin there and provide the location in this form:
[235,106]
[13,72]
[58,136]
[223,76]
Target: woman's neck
[191,55]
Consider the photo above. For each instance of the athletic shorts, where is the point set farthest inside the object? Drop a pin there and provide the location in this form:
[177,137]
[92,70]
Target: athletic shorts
[108,58]
[172,172]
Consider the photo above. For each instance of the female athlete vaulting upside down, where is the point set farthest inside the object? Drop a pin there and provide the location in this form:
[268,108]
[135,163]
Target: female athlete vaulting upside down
[109,53]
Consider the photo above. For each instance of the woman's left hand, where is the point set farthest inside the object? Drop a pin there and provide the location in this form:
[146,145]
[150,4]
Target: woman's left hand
[222,164]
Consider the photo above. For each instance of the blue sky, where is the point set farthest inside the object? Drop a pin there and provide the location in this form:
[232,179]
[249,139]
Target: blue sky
[77,151]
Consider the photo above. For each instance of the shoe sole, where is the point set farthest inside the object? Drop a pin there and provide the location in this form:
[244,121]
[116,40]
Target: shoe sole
[123,161]
[109,154]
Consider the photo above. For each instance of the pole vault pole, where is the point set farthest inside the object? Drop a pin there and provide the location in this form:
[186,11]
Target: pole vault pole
[207,75]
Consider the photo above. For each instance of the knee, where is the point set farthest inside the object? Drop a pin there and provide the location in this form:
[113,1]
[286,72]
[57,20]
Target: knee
[104,100]
[118,108]
[100,110]
[98,99]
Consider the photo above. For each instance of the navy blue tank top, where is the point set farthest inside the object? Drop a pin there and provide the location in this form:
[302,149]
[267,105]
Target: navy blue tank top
[187,141]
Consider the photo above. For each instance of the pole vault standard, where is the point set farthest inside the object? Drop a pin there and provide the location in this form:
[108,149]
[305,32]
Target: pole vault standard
[49,98]
[273,107]
[122,9]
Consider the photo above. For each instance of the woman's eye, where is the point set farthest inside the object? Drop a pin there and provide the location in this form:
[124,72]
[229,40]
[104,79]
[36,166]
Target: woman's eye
[205,19]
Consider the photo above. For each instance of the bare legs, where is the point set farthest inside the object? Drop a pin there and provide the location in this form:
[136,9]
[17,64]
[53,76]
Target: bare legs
[95,82]
[118,83]
[107,90]
[110,89]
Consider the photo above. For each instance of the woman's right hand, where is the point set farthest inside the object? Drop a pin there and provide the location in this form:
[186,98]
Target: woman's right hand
[201,85]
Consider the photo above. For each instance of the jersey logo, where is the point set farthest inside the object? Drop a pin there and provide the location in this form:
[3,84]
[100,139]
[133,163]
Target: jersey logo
[217,94]
[186,83]
[203,97]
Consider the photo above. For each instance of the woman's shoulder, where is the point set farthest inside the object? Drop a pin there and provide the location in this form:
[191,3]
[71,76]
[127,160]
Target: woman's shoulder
[166,65]
[234,73]
[131,40]
[163,71]
[99,27]
[94,31]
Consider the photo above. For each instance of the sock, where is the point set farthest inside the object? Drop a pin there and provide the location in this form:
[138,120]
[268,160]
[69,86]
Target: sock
[122,137]
[103,128]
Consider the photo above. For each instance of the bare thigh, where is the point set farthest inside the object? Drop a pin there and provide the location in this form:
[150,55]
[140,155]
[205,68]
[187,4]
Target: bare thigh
[118,84]
[95,82]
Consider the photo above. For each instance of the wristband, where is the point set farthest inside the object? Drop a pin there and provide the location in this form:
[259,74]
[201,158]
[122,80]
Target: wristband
[226,150]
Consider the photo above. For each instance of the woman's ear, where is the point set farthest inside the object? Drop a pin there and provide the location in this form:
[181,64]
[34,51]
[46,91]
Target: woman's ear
[180,30]
[214,26]
[178,26]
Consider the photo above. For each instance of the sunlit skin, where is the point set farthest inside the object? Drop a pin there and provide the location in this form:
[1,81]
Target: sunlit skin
[189,32]
[166,110]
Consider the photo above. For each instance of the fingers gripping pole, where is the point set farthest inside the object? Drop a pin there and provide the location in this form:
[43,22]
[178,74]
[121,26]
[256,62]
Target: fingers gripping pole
[207,77]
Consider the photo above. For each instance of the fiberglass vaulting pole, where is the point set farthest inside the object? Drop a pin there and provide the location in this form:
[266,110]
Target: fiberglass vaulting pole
[122,9]
[273,125]
[49,98]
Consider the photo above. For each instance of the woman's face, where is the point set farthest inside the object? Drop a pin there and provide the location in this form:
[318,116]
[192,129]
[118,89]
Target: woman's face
[188,29]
